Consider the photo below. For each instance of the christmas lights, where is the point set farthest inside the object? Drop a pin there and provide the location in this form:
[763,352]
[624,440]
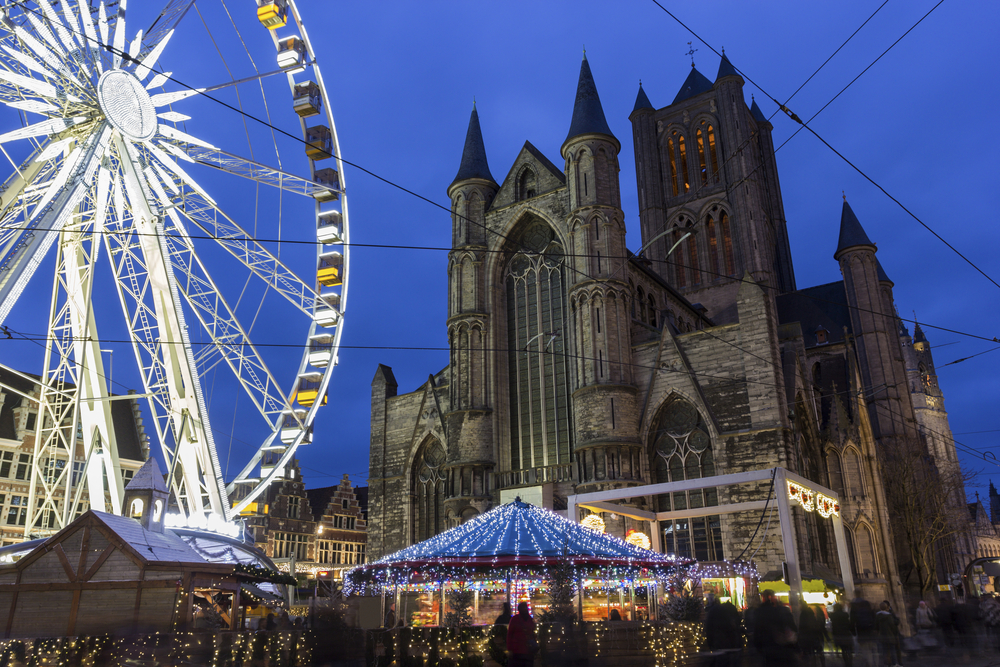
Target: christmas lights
[813,500]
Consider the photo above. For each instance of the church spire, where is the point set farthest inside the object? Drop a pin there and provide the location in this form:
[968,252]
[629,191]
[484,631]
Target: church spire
[588,114]
[851,232]
[641,101]
[474,164]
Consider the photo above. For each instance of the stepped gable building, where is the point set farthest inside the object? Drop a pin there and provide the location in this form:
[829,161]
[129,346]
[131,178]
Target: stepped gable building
[18,422]
[576,366]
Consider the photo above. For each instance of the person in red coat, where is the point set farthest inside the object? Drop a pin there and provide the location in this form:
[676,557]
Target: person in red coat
[521,640]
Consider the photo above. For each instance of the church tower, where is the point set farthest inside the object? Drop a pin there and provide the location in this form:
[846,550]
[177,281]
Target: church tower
[873,321]
[604,390]
[469,416]
[705,168]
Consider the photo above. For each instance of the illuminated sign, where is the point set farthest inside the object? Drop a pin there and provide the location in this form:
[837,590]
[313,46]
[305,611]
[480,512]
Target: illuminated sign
[812,500]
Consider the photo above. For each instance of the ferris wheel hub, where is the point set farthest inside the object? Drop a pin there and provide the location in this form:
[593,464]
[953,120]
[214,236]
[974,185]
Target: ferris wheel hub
[127,105]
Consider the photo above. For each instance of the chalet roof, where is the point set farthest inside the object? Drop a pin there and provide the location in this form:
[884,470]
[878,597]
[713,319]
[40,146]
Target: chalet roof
[165,547]
[148,477]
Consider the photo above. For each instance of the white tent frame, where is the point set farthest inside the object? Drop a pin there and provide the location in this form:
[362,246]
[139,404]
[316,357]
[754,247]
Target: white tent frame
[603,501]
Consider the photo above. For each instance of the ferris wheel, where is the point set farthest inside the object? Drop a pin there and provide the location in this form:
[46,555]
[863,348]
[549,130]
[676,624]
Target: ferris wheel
[113,174]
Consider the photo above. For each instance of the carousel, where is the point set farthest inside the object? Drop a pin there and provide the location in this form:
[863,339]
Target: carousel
[505,555]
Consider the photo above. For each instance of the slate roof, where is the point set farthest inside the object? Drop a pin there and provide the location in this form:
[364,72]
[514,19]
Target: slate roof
[474,164]
[813,307]
[757,114]
[851,232]
[319,499]
[694,84]
[588,114]
[641,101]
[918,334]
[148,477]
[726,68]
[361,493]
[882,276]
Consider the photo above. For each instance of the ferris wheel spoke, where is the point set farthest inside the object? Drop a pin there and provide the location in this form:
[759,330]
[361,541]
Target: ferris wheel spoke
[255,171]
[60,197]
[169,17]
[222,325]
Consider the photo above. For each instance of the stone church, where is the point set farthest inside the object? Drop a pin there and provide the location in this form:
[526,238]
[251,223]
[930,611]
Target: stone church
[578,366]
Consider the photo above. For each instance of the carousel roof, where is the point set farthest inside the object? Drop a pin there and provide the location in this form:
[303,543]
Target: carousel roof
[519,533]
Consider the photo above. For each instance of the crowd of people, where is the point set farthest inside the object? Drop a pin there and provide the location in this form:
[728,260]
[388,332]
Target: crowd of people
[859,632]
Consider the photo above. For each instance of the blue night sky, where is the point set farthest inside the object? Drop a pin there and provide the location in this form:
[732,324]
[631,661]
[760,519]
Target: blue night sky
[402,77]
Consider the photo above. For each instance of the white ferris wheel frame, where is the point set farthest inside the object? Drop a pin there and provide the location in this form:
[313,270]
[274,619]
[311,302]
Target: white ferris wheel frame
[100,177]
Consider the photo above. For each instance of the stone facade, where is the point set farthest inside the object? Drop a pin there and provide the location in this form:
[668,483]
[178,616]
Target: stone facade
[577,366]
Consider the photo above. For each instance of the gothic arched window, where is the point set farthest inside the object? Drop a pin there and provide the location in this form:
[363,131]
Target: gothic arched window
[692,244]
[672,160]
[834,472]
[865,542]
[652,310]
[716,166]
[642,305]
[537,327]
[685,177]
[428,488]
[853,482]
[727,244]
[713,248]
[678,264]
[702,166]
[682,449]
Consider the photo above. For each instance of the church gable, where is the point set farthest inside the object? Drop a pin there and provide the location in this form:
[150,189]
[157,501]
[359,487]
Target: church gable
[532,175]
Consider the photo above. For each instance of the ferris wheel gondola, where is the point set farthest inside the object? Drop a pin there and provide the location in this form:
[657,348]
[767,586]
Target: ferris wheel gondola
[112,175]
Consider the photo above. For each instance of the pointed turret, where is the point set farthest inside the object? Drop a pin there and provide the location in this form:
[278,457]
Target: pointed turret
[641,101]
[726,68]
[694,84]
[852,234]
[474,164]
[918,334]
[757,114]
[588,114]
[883,277]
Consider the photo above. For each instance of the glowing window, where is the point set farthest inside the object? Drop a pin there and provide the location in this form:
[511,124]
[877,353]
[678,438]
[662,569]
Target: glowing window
[672,159]
[135,509]
[702,168]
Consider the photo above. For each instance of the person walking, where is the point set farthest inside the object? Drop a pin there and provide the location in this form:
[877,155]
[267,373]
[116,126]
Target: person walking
[504,618]
[863,627]
[774,632]
[887,632]
[989,610]
[840,625]
[926,622]
[723,632]
[521,641]
[899,635]
[812,633]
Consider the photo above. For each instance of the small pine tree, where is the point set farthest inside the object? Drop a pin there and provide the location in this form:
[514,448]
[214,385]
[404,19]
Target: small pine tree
[460,601]
[561,584]
[681,604]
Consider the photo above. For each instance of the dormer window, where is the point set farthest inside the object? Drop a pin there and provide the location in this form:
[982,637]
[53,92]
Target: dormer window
[526,185]
[821,335]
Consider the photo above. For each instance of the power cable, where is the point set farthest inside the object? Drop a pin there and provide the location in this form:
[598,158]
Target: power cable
[862,72]
[805,125]
[770,492]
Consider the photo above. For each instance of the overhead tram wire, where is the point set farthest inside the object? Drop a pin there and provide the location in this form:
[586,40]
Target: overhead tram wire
[169,77]
[811,118]
[111,49]
[668,261]
[795,118]
[505,237]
